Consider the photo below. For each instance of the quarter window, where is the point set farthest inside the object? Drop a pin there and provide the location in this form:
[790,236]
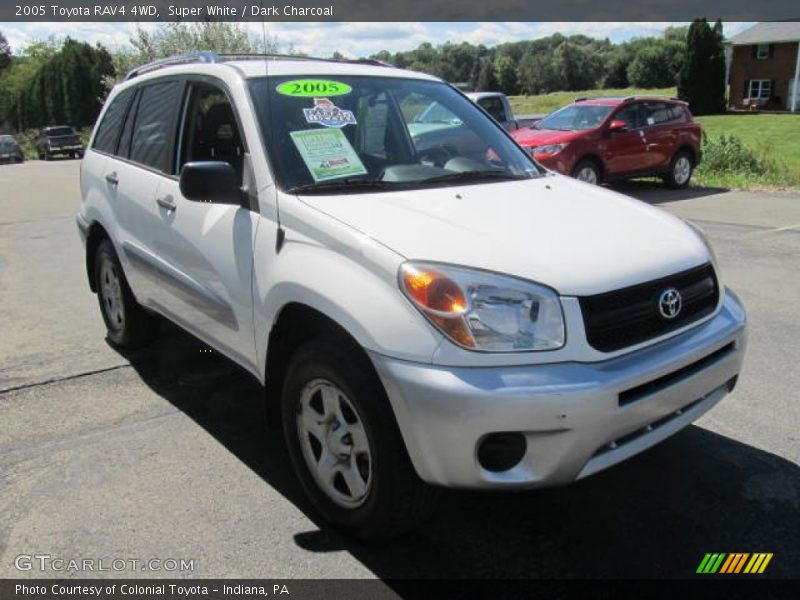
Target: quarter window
[108,133]
[154,127]
[760,88]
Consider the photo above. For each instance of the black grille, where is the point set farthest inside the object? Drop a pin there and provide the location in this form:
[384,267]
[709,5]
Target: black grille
[631,316]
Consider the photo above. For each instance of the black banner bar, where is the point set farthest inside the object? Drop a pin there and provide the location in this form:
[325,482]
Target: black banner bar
[706,587]
[394,11]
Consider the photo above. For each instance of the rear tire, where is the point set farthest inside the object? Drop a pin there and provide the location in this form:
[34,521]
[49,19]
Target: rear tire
[346,447]
[587,171]
[680,170]
[128,324]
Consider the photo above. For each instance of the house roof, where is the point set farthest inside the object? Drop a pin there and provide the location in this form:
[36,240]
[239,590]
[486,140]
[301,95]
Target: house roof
[765,33]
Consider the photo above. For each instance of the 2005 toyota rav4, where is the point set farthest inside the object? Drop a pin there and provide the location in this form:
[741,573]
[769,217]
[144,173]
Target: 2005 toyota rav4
[423,306]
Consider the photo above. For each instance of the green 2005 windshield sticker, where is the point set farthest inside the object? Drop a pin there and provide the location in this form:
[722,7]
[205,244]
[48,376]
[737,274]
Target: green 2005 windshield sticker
[309,88]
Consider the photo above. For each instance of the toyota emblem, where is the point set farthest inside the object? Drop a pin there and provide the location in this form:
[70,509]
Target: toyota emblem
[670,303]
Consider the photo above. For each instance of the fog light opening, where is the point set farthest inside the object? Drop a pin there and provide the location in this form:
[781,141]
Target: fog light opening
[499,452]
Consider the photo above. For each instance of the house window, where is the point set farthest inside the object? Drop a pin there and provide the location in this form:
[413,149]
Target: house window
[760,88]
[762,51]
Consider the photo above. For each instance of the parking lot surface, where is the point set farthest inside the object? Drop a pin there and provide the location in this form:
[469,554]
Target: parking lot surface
[164,454]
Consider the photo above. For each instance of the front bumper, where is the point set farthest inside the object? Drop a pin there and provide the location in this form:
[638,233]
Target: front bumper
[576,418]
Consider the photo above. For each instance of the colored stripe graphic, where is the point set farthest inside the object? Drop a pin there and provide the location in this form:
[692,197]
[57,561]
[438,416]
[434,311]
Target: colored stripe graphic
[720,562]
[711,563]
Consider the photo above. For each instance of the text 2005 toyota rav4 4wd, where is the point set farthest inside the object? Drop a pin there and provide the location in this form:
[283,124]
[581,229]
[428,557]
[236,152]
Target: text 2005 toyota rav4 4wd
[425,304]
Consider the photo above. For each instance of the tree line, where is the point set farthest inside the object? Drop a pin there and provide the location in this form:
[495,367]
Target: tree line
[51,82]
[691,58]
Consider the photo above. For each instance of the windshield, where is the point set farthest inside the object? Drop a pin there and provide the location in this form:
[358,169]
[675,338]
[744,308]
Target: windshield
[59,131]
[355,133]
[436,113]
[6,140]
[575,117]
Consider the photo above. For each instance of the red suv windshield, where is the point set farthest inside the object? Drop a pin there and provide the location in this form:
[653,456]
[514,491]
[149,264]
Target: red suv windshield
[575,117]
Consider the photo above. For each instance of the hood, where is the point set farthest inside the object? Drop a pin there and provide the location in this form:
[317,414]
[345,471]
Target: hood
[542,137]
[577,238]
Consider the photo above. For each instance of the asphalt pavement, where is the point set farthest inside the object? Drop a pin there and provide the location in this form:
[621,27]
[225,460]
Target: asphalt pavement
[164,454]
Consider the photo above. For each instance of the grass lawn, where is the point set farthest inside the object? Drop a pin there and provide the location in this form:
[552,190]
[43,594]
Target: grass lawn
[525,105]
[774,137]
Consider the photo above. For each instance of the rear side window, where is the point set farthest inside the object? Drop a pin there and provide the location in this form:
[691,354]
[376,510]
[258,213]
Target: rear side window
[108,132]
[494,106]
[153,136]
[659,113]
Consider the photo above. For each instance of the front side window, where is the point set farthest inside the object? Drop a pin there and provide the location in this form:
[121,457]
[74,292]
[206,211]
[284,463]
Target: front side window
[575,117]
[630,114]
[354,133]
[211,131]
[760,89]
[153,134]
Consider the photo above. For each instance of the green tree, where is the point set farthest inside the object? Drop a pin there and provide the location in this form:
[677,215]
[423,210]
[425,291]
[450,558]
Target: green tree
[66,87]
[487,82]
[5,53]
[505,72]
[656,65]
[180,38]
[702,75]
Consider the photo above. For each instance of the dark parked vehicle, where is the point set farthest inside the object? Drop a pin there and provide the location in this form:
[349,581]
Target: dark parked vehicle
[10,150]
[63,140]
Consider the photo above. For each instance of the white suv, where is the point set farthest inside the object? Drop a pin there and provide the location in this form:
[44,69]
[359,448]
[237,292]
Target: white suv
[424,304]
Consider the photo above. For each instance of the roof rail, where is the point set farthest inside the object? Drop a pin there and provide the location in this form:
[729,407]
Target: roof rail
[213,57]
[178,59]
[257,56]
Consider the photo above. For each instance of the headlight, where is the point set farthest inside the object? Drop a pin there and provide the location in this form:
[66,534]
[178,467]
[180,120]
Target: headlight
[484,311]
[549,149]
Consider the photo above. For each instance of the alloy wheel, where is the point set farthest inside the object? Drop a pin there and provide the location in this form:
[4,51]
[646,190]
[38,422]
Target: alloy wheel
[111,294]
[334,443]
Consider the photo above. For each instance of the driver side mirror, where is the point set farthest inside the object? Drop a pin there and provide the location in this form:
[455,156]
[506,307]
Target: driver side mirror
[210,181]
[618,126]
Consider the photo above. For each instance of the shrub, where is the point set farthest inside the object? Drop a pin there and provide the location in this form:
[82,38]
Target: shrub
[727,154]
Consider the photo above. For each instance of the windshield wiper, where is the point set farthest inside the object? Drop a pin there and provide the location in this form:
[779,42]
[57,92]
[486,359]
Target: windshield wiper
[342,184]
[473,176]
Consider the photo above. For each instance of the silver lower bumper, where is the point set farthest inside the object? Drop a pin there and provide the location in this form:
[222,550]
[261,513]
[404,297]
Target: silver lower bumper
[570,414]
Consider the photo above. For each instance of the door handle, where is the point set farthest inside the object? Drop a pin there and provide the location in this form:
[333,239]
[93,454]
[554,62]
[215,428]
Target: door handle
[167,202]
[112,178]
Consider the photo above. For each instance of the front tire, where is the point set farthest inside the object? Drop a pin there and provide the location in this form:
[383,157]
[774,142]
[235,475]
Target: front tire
[680,170]
[345,444]
[587,171]
[128,324]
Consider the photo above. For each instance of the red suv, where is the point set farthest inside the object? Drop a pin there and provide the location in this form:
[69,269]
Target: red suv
[601,139]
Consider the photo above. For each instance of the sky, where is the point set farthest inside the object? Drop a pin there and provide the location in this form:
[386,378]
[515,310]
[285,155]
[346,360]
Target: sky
[359,39]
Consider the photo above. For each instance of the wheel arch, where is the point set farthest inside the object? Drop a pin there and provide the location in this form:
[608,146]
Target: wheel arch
[295,324]
[595,158]
[96,234]
[688,148]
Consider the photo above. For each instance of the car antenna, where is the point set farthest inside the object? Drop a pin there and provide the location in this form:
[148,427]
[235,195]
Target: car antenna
[281,234]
